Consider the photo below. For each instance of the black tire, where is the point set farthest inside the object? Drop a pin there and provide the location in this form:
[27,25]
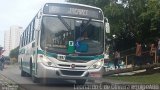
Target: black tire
[92,81]
[35,79]
[80,82]
[30,67]
[23,73]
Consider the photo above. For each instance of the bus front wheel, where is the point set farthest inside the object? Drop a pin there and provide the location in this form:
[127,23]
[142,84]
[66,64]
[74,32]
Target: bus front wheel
[35,79]
[23,73]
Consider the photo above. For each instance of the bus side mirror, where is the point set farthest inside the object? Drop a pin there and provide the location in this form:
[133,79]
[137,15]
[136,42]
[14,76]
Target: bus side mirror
[107,26]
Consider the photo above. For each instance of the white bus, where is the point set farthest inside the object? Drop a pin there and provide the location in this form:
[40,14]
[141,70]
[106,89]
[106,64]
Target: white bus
[52,46]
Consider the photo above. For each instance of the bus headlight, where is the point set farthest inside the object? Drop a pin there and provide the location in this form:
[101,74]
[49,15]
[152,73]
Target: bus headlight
[97,65]
[47,62]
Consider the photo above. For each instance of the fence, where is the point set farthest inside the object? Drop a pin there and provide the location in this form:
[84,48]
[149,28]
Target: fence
[146,59]
[129,62]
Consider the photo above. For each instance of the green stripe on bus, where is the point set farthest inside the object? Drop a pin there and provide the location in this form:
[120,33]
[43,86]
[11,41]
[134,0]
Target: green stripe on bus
[47,53]
[69,57]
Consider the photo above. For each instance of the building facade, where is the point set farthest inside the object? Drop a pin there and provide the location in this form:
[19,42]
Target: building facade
[12,39]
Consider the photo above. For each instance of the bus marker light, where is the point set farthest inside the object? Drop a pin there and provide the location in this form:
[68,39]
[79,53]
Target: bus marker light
[41,56]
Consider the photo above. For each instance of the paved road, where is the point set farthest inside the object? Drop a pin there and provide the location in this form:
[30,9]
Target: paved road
[12,72]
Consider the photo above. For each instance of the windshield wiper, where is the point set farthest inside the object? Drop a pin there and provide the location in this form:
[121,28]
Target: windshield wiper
[86,25]
[65,23]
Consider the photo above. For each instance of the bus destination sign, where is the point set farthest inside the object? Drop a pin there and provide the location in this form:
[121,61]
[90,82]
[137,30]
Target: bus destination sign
[73,10]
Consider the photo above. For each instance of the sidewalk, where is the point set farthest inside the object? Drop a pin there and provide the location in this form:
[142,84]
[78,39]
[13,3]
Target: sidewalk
[106,80]
[7,84]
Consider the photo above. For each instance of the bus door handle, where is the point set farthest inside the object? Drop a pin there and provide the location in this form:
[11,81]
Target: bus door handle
[33,44]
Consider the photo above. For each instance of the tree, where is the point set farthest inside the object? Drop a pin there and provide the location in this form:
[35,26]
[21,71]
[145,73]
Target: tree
[151,18]
[14,53]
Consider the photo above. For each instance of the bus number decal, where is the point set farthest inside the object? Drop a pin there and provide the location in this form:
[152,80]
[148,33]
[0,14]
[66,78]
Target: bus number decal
[78,11]
[61,57]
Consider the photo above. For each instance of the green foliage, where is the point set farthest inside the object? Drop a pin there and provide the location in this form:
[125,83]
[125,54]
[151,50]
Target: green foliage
[14,53]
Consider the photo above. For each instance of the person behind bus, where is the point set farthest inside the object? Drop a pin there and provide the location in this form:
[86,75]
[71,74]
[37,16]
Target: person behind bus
[152,52]
[117,59]
[138,59]
[1,60]
[158,50]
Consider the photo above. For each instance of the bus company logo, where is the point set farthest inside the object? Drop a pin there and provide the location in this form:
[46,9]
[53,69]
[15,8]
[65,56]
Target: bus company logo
[73,66]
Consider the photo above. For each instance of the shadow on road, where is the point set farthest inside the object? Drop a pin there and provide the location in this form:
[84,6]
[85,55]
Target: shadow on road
[57,83]
[50,85]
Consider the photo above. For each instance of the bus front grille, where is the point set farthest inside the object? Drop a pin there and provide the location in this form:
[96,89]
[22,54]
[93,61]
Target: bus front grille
[72,73]
[76,66]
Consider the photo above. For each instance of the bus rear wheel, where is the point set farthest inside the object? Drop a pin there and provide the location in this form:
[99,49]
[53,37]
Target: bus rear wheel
[80,82]
[23,73]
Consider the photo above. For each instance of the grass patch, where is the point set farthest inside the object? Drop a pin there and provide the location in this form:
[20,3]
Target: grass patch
[151,77]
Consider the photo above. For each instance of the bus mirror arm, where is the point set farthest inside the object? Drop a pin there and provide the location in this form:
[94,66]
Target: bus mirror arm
[105,20]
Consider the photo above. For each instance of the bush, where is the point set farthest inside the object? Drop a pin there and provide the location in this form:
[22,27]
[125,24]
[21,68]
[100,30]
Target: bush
[13,60]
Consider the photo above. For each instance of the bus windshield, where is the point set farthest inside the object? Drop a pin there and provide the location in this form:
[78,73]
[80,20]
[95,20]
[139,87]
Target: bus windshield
[70,36]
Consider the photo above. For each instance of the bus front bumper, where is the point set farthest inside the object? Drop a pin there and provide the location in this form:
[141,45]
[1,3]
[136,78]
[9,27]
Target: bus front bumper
[67,74]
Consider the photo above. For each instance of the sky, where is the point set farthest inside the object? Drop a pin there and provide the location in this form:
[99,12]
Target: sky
[18,12]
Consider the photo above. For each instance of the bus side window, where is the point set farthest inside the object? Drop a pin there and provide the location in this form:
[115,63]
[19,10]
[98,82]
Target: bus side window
[33,29]
[29,31]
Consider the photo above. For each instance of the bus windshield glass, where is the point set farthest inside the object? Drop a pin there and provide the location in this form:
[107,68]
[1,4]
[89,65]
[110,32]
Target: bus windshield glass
[72,36]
